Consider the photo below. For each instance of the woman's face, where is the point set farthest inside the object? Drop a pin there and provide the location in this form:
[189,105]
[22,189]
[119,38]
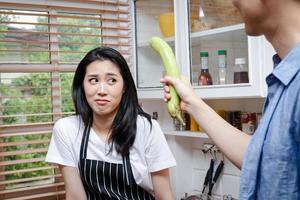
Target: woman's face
[103,86]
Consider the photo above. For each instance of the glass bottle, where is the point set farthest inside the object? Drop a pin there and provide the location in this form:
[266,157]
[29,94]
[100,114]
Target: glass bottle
[193,124]
[204,77]
[222,66]
[240,74]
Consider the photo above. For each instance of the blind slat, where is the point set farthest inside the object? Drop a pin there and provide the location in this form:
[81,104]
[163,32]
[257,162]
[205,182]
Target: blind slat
[124,53]
[60,42]
[37,115]
[29,170]
[92,7]
[22,180]
[32,188]
[29,197]
[67,25]
[31,50]
[24,143]
[68,16]
[14,162]
[103,2]
[69,34]
[18,128]
[3,135]
[21,152]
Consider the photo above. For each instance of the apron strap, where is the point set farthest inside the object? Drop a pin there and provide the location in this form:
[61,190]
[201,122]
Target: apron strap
[84,142]
[127,169]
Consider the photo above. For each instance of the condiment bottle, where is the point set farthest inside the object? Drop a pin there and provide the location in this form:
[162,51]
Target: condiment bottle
[193,124]
[240,74]
[204,77]
[222,66]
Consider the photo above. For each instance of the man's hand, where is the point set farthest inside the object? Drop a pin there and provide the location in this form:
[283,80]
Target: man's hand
[183,89]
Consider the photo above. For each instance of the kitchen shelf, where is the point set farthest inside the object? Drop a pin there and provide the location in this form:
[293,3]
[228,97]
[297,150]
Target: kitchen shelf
[202,34]
[241,90]
[187,134]
[222,86]
[228,33]
[206,92]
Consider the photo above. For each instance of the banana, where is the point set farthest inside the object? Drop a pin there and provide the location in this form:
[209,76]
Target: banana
[171,69]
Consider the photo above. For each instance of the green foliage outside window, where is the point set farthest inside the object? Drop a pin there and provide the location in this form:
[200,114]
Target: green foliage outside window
[28,94]
[26,156]
[28,98]
[31,94]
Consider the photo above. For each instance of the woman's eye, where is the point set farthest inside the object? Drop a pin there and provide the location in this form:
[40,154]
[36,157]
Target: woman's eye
[111,81]
[93,81]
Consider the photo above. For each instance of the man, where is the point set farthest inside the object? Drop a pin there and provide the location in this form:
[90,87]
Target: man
[270,159]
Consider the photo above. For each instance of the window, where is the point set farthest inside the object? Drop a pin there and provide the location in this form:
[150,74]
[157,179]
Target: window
[41,43]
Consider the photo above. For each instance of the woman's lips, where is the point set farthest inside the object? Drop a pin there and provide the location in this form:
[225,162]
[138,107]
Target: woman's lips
[102,102]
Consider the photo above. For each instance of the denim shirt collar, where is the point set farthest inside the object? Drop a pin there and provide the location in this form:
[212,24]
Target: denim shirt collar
[283,72]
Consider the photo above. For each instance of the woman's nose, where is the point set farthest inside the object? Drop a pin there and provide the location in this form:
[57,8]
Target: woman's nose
[102,88]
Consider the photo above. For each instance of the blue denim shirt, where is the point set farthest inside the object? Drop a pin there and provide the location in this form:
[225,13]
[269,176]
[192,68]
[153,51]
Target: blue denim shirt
[271,167]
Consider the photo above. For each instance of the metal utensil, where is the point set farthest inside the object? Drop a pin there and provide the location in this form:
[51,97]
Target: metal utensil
[216,176]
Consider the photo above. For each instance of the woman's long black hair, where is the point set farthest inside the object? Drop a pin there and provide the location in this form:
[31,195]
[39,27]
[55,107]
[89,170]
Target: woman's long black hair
[123,130]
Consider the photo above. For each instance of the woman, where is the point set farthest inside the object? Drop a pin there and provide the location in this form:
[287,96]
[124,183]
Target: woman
[110,149]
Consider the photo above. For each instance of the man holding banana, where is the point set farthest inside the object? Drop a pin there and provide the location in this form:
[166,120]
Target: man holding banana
[270,159]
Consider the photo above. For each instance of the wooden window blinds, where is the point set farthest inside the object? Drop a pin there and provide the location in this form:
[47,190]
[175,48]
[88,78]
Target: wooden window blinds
[41,43]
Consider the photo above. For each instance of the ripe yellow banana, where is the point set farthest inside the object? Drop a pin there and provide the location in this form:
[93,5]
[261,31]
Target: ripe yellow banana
[171,69]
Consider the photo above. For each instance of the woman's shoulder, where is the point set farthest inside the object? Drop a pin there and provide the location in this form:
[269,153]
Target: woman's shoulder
[68,128]
[70,123]
[66,121]
[144,125]
[142,120]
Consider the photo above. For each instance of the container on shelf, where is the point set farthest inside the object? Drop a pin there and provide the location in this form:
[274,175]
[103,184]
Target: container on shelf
[208,14]
[221,113]
[248,122]
[200,129]
[155,115]
[193,124]
[222,67]
[240,74]
[178,126]
[187,120]
[204,76]
[166,24]
[234,118]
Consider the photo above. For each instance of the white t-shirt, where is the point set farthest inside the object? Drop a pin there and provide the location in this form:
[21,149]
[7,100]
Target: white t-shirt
[149,153]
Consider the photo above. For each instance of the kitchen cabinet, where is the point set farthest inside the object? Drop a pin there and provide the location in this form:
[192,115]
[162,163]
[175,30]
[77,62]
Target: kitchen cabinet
[194,26]
[199,25]
[153,18]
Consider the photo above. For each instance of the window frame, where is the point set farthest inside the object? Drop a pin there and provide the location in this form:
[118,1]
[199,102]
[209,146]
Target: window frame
[124,45]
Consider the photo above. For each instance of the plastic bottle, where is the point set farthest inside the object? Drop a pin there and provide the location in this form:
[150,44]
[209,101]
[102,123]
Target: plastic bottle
[240,74]
[222,66]
[204,77]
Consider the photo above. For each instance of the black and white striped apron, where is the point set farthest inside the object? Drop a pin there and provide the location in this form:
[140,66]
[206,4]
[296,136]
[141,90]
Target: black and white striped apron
[104,180]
